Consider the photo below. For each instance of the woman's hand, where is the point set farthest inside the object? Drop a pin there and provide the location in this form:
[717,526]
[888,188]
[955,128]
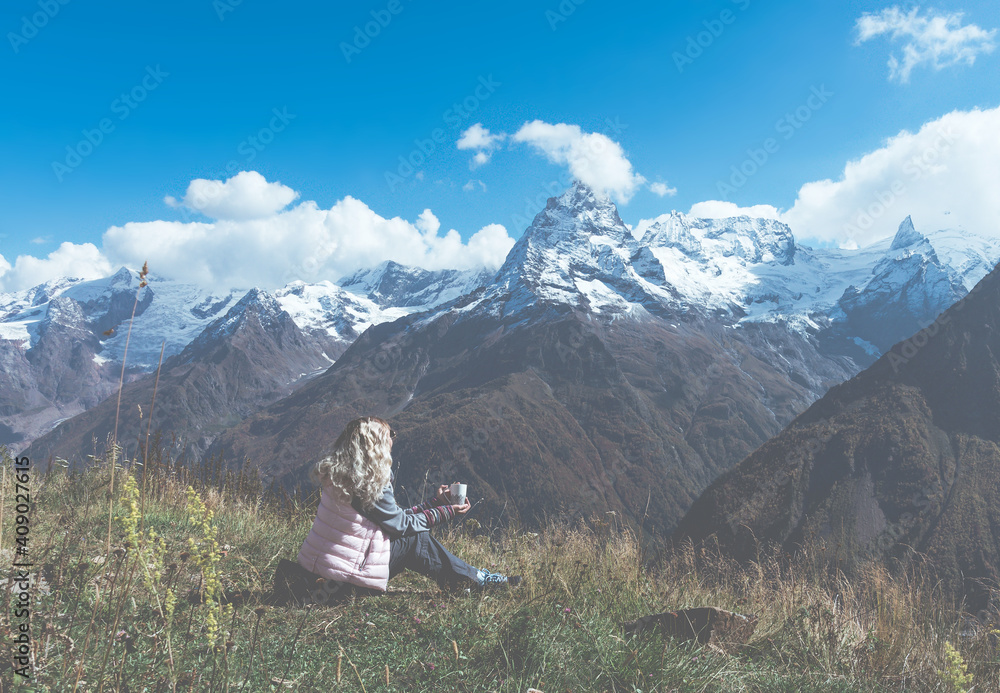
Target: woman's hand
[443,494]
[462,509]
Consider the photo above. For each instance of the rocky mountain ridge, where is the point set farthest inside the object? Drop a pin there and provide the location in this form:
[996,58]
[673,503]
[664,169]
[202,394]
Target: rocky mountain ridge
[247,358]
[168,314]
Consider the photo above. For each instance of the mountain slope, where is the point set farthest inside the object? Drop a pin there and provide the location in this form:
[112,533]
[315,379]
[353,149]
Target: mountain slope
[51,350]
[62,343]
[251,356]
[903,458]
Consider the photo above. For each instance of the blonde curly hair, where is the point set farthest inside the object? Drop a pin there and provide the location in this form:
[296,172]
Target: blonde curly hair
[360,462]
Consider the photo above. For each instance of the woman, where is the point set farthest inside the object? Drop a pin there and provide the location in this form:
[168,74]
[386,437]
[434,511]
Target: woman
[361,537]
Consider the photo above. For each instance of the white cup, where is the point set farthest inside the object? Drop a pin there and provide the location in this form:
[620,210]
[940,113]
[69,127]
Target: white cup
[458,493]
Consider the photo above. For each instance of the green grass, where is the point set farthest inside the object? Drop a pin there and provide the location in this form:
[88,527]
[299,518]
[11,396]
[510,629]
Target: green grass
[101,619]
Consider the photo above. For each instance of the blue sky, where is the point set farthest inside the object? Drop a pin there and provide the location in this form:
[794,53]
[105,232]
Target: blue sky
[217,73]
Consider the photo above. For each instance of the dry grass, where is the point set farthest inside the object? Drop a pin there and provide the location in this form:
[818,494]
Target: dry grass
[121,621]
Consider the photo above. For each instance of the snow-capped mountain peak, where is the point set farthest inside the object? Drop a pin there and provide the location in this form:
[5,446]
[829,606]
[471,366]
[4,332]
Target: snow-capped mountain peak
[672,230]
[101,304]
[751,240]
[255,304]
[579,212]
[63,311]
[577,251]
[906,236]
[392,285]
[258,309]
[325,309]
[381,282]
[259,301]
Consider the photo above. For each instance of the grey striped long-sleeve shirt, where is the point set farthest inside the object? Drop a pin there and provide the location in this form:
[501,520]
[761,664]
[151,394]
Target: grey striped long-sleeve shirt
[399,522]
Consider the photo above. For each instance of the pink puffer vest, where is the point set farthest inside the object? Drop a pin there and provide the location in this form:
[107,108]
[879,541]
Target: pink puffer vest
[345,545]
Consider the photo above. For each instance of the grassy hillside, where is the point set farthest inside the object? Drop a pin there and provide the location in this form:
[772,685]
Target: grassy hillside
[117,617]
[899,464]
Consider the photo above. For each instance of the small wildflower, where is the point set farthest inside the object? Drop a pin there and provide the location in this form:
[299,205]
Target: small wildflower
[169,603]
[416,620]
[567,610]
[206,555]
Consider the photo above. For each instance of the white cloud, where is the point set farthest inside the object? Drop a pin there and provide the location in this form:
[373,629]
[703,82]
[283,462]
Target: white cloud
[487,245]
[473,184]
[83,261]
[592,158]
[720,209]
[478,137]
[939,40]
[302,242]
[483,141]
[427,223]
[662,189]
[247,195]
[945,175]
